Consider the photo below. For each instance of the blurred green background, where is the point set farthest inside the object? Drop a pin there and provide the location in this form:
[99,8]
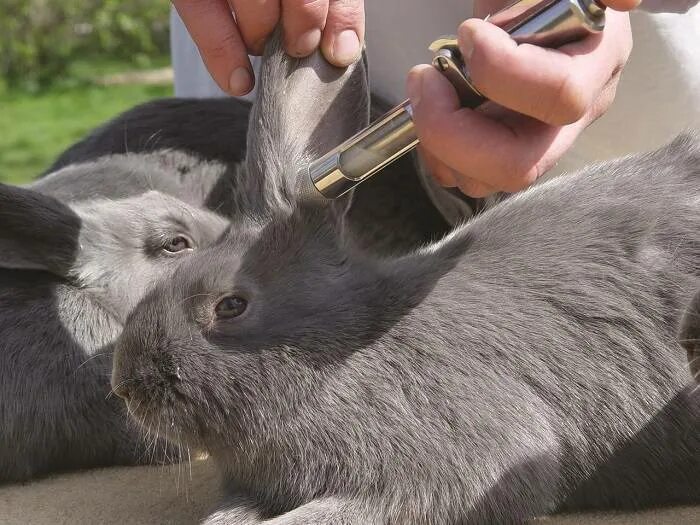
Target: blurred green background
[67,66]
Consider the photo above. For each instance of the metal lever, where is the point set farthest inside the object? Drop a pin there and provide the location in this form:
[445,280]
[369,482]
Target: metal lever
[550,23]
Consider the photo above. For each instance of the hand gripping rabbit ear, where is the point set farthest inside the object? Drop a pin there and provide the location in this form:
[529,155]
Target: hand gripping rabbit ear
[304,108]
[37,232]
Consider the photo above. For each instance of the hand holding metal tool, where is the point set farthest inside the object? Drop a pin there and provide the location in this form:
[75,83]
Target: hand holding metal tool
[548,23]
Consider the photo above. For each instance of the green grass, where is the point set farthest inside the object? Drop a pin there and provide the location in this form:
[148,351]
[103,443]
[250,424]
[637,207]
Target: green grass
[35,128]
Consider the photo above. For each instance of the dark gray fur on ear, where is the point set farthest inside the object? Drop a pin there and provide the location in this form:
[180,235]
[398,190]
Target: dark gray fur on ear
[304,108]
[37,232]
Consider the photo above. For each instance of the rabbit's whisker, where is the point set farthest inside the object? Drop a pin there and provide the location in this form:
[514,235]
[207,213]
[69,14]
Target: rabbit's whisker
[121,383]
[101,354]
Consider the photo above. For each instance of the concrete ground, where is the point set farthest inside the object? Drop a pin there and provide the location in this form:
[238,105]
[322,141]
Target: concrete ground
[176,496]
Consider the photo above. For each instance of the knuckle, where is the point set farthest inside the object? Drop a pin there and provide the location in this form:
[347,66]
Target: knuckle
[428,128]
[299,16]
[482,66]
[521,175]
[474,189]
[306,7]
[571,103]
[351,6]
[443,174]
[604,100]
[430,134]
[490,61]
[225,48]
[346,12]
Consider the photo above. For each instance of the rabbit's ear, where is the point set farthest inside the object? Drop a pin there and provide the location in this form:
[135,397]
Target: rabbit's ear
[304,108]
[37,232]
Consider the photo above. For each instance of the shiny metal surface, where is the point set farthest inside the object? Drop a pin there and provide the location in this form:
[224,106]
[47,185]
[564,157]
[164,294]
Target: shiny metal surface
[366,153]
[448,60]
[563,22]
[549,23]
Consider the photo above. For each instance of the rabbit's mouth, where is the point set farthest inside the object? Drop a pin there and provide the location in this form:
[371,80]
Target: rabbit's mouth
[155,398]
[177,390]
[161,409]
[163,440]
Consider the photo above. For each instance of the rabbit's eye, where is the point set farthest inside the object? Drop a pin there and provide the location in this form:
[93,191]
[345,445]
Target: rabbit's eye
[230,307]
[177,244]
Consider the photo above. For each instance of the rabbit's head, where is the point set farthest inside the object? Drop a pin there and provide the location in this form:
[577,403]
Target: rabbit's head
[116,250]
[241,324]
[195,181]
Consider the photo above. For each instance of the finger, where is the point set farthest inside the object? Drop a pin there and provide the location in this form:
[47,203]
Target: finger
[303,22]
[443,174]
[213,29]
[449,178]
[344,32]
[256,21]
[506,155]
[554,86]
[622,5]
[475,189]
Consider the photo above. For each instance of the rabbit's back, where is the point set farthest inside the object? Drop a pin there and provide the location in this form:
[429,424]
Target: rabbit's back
[559,324]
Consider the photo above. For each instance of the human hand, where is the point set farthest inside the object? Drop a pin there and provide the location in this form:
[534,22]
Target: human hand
[225,42]
[622,5]
[540,101]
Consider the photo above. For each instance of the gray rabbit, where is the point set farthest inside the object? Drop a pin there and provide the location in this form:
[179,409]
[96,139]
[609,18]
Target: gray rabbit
[69,275]
[526,363]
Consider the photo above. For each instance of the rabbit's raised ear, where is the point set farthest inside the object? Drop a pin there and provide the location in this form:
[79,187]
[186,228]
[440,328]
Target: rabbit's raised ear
[37,232]
[304,108]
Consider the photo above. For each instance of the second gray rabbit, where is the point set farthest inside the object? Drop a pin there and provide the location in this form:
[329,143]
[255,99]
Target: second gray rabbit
[70,272]
[527,363]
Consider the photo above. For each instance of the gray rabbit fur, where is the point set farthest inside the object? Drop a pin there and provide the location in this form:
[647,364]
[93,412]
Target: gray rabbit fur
[118,176]
[70,272]
[213,131]
[527,363]
[185,148]
[689,336]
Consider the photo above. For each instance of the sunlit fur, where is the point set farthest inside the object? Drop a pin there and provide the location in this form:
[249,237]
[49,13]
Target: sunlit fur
[527,363]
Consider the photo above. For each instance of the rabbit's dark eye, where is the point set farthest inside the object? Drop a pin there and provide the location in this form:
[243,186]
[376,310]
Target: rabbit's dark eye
[177,244]
[230,307]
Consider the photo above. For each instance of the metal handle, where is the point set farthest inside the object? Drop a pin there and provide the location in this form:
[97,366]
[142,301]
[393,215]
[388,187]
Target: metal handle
[550,23]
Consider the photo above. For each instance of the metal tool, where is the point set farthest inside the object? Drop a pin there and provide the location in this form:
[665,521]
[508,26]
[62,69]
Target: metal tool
[550,23]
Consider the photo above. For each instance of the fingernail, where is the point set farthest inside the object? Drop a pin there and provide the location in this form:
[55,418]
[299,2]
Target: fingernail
[240,82]
[466,41]
[308,42]
[346,47]
[414,87]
